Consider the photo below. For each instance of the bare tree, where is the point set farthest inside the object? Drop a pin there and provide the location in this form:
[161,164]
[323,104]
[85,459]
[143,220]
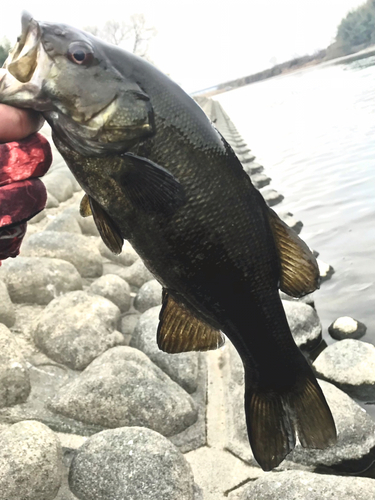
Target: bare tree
[133,34]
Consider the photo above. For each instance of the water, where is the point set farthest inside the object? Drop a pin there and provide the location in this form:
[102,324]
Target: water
[314,132]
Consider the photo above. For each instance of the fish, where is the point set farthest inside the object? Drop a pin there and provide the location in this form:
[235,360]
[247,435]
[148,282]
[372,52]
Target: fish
[156,172]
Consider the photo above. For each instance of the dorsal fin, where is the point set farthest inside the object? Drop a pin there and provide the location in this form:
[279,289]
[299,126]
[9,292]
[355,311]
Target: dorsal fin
[299,269]
[181,331]
[108,230]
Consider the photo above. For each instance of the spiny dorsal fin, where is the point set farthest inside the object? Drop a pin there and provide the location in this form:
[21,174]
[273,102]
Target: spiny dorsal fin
[181,331]
[299,269]
[84,207]
[107,228]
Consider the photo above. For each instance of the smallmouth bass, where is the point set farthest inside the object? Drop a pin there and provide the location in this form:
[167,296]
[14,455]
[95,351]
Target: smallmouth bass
[157,173]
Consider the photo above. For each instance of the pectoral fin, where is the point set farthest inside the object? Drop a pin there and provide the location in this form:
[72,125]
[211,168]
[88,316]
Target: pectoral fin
[108,230]
[84,208]
[180,331]
[299,269]
[148,186]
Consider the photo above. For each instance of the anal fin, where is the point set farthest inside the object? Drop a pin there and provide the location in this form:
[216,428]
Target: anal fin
[180,331]
[299,269]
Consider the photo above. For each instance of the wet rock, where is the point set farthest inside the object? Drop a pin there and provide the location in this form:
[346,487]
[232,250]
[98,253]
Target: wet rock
[30,462]
[64,222]
[77,327]
[325,270]
[127,256]
[113,288]
[130,463]
[304,324]
[38,280]
[293,485]
[149,295]
[347,328]
[182,368]
[307,299]
[292,222]
[14,376]
[7,313]
[137,274]
[59,185]
[77,249]
[349,364]
[123,387]
[272,197]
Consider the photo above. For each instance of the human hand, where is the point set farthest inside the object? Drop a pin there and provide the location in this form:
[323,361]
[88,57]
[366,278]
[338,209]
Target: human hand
[24,156]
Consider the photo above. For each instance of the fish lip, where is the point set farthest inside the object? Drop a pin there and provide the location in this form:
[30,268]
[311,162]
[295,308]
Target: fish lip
[23,59]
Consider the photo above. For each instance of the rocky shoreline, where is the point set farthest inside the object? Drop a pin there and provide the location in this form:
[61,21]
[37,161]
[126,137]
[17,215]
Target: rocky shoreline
[91,409]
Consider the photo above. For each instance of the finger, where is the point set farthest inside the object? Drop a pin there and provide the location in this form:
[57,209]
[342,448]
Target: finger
[20,201]
[30,157]
[16,123]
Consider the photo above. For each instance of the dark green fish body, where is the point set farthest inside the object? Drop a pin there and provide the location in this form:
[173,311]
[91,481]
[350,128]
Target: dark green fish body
[158,174]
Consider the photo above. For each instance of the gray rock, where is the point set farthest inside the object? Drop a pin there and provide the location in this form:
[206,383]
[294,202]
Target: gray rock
[77,249]
[64,222]
[127,256]
[260,180]
[272,197]
[59,185]
[292,222]
[325,270]
[137,274]
[350,365]
[30,462]
[298,485]
[7,313]
[38,217]
[253,168]
[182,368]
[149,295]
[38,280]
[123,387]
[14,377]
[130,463]
[347,328]
[77,327]
[128,323]
[304,324]
[87,224]
[113,288]
[64,170]
[52,202]
[307,299]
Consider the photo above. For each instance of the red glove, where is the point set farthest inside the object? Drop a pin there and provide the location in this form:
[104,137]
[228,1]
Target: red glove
[22,195]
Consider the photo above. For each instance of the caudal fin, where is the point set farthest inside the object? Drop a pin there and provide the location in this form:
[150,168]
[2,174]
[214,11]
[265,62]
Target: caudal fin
[274,419]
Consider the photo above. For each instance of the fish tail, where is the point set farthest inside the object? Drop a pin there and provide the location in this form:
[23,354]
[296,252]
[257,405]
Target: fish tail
[275,417]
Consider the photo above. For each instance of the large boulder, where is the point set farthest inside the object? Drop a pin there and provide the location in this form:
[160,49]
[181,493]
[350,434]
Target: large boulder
[123,387]
[30,462]
[182,368]
[298,485]
[77,249]
[76,328]
[38,280]
[113,288]
[349,364]
[130,463]
[14,377]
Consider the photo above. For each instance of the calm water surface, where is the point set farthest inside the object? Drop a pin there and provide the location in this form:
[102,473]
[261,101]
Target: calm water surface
[314,132]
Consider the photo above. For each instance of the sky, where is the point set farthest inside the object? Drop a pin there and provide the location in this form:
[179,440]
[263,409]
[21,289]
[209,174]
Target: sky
[201,43]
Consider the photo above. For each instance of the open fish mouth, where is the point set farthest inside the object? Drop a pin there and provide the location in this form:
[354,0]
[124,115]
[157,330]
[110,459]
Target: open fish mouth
[23,59]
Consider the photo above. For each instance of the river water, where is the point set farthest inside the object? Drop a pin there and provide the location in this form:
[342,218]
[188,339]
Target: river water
[314,132]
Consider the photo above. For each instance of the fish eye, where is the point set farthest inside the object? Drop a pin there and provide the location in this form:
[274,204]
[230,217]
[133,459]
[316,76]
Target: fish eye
[80,53]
